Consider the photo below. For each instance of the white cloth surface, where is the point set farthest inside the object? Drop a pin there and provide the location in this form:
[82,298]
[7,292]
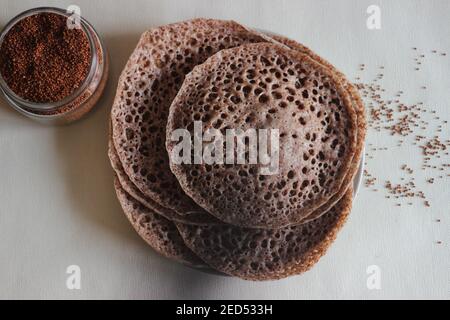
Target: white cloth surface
[58,207]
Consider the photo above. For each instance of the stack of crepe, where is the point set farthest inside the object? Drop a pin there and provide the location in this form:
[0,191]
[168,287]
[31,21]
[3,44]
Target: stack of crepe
[237,219]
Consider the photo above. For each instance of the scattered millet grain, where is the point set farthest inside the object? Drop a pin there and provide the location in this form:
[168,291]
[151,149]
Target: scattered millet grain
[399,118]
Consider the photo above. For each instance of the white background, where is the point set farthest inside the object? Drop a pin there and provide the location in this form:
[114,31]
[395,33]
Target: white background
[57,204]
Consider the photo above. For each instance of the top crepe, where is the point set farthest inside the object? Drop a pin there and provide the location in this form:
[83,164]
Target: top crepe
[267,86]
[360,121]
[147,86]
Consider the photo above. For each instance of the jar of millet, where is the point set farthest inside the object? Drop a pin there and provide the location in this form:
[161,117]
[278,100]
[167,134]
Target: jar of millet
[50,71]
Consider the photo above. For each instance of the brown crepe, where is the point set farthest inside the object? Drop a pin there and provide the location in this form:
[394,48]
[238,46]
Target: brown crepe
[267,86]
[147,86]
[161,234]
[149,193]
[261,254]
[360,120]
[132,190]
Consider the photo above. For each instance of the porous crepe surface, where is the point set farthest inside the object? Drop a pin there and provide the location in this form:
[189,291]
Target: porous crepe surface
[130,188]
[161,234]
[147,86]
[267,86]
[263,254]
[360,120]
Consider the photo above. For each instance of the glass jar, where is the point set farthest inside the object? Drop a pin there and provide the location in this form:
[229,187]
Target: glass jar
[83,99]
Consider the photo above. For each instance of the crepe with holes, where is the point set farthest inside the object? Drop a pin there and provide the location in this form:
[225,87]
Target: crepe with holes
[357,104]
[147,86]
[161,234]
[360,120]
[133,191]
[267,86]
[262,254]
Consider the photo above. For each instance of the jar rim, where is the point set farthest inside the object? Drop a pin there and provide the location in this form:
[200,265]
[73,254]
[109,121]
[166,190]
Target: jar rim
[50,106]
